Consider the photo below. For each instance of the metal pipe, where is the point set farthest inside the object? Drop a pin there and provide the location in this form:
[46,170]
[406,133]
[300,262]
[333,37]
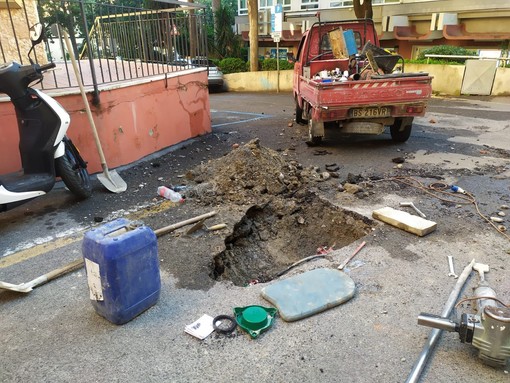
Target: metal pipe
[414,376]
[435,321]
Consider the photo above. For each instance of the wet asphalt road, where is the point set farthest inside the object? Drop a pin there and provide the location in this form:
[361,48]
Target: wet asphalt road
[52,334]
[237,118]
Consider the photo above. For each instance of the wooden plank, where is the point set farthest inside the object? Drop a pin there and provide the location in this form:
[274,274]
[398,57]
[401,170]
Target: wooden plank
[405,221]
[337,42]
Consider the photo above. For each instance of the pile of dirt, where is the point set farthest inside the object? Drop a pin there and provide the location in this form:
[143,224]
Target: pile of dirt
[248,174]
[284,219]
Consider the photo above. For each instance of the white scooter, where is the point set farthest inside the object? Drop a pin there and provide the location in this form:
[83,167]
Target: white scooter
[46,152]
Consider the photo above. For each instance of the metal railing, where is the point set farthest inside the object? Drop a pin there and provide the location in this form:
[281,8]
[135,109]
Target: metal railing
[501,61]
[112,43]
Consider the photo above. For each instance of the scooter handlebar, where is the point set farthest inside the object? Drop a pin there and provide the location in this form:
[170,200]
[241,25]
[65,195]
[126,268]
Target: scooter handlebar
[46,67]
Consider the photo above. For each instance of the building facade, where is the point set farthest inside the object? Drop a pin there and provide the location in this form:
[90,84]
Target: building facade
[405,26]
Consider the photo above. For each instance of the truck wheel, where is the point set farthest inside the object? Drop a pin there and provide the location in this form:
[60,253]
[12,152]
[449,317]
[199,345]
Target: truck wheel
[299,115]
[401,129]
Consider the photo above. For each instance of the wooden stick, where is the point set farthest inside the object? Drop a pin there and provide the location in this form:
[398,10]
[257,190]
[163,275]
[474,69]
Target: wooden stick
[344,263]
[28,286]
[175,226]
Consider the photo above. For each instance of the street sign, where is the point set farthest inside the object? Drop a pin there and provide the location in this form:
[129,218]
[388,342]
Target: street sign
[276,36]
[277,19]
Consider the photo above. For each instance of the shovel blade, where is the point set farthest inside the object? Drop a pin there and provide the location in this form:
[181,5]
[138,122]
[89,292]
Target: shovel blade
[112,181]
[18,288]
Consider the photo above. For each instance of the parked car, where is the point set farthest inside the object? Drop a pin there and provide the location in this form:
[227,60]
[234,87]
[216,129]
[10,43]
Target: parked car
[214,74]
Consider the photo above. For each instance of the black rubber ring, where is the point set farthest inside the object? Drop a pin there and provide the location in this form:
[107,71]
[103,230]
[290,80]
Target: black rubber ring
[228,330]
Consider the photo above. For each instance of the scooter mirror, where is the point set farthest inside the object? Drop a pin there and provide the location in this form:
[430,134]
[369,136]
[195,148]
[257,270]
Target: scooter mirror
[36,33]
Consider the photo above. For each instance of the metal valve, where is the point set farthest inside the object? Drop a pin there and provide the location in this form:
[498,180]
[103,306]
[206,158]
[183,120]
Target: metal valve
[488,330]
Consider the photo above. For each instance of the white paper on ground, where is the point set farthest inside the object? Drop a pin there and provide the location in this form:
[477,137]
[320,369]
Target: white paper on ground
[201,328]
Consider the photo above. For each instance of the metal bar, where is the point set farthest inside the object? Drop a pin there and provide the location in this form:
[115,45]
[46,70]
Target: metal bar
[123,42]
[14,31]
[100,48]
[63,50]
[2,50]
[159,34]
[95,99]
[114,40]
[106,45]
[415,374]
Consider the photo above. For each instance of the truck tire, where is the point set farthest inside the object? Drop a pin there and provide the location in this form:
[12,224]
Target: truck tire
[299,115]
[401,129]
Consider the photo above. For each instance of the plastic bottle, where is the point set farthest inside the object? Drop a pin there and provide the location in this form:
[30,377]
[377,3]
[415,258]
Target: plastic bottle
[457,189]
[170,194]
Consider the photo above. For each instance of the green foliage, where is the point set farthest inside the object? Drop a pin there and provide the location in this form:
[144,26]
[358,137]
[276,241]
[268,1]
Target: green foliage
[232,65]
[433,61]
[448,50]
[236,65]
[227,43]
[270,64]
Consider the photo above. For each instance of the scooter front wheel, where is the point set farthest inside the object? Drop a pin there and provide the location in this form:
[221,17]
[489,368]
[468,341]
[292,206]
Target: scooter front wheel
[74,175]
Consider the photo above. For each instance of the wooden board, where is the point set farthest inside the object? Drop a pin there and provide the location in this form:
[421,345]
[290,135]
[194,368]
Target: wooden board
[309,293]
[337,42]
[405,221]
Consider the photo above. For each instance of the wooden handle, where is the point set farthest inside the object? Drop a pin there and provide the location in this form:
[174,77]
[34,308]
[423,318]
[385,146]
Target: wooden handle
[85,101]
[75,265]
[352,256]
[175,226]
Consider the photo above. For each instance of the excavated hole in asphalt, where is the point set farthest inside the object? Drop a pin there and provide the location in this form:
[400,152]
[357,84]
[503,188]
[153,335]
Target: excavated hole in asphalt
[271,237]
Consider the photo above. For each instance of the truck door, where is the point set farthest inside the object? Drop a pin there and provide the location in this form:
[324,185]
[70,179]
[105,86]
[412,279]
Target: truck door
[298,66]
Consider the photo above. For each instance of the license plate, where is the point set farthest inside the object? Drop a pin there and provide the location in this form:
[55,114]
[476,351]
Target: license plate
[370,112]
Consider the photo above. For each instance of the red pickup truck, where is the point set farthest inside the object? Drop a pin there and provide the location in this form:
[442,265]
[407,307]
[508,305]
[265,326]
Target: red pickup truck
[343,79]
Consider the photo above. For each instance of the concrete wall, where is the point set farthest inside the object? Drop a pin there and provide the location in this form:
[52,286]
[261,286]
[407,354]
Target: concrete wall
[447,80]
[133,121]
[501,86]
[262,81]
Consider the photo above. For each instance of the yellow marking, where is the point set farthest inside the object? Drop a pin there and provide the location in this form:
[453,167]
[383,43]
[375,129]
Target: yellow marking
[35,251]
[58,243]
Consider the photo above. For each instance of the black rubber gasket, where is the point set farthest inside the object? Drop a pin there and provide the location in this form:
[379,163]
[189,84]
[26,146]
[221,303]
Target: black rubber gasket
[229,329]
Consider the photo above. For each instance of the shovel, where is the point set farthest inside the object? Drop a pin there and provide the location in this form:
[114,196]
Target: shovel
[75,265]
[28,286]
[110,179]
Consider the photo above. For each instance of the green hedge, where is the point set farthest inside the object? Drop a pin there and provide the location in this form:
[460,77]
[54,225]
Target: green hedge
[236,65]
[232,65]
[270,64]
[433,61]
[447,50]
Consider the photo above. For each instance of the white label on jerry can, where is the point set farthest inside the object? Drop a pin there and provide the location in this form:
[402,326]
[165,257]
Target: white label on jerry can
[94,280]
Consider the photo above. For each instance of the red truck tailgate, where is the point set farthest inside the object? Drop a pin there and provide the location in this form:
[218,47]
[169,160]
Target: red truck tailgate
[366,93]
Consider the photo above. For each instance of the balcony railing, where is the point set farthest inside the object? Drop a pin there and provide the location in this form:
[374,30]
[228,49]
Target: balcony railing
[112,43]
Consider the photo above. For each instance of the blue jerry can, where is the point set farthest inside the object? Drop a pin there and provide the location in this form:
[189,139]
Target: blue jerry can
[122,265]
